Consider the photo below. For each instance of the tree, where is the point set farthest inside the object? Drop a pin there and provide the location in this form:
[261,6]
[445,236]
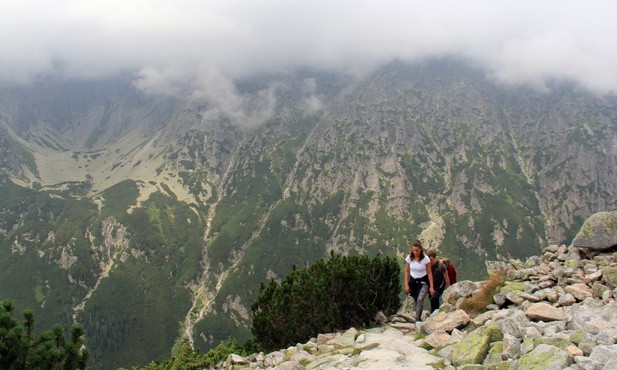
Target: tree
[333,294]
[19,349]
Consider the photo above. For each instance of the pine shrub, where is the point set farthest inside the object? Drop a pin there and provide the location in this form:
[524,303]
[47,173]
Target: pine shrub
[332,294]
[20,349]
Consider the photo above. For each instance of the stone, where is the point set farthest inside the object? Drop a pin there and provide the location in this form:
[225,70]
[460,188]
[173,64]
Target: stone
[604,353]
[494,353]
[573,351]
[512,286]
[566,299]
[235,359]
[380,318]
[274,359]
[598,233]
[407,317]
[515,297]
[609,276]
[531,332]
[290,365]
[405,326]
[511,347]
[462,289]
[439,339]
[503,365]
[580,291]
[302,356]
[445,321]
[529,297]
[600,323]
[324,338]
[472,350]
[544,357]
[593,276]
[544,312]
[514,323]
[348,338]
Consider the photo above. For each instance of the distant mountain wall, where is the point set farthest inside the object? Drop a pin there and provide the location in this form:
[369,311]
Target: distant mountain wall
[154,219]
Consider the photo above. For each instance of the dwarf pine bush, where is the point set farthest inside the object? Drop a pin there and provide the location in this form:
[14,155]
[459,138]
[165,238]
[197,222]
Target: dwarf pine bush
[332,294]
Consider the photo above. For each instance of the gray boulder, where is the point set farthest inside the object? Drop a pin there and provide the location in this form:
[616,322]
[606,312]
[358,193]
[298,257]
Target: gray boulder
[544,357]
[600,323]
[598,233]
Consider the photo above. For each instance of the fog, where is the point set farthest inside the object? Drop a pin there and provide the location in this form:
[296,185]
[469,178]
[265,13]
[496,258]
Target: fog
[183,46]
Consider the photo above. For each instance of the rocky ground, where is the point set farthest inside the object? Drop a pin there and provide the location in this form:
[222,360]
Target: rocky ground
[555,311]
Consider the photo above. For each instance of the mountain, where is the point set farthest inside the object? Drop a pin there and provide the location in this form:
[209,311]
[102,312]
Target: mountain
[153,219]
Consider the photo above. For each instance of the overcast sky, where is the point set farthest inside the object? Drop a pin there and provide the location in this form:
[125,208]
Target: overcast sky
[168,42]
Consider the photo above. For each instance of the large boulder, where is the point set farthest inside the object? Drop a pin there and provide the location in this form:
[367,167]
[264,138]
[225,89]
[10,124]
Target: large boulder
[598,233]
[544,357]
[445,321]
[600,323]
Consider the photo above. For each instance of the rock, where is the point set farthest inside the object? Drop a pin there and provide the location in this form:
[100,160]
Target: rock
[600,323]
[290,365]
[598,233]
[609,276]
[511,347]
[544,357]
[445,321]
[573,351]
[494,353]
[324,338]
[274,359]
[380,318]
[544,312]
[572,326]
[235,359]
[580,291]
[604,354]
[472,350]
[439,339]
[515,323]
[462,289]
[566,300]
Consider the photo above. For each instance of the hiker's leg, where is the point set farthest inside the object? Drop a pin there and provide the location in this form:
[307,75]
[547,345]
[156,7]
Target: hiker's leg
[435,299]
[420,301]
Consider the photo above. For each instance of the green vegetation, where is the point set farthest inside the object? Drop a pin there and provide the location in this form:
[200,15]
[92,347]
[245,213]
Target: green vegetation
[329,295]
[21,349]
[188,358]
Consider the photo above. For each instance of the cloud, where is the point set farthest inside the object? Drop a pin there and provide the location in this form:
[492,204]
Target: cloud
[170,43]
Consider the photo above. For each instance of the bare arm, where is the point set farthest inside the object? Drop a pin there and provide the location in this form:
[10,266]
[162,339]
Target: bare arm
[406,278]
[430,278]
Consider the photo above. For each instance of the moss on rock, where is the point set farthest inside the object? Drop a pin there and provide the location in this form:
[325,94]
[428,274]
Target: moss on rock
[472,350]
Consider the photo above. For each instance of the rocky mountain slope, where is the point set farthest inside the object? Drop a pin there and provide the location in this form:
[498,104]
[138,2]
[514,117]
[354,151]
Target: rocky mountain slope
[154,219]
[555,311]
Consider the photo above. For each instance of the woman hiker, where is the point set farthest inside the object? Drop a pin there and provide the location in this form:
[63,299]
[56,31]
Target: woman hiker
[419,279]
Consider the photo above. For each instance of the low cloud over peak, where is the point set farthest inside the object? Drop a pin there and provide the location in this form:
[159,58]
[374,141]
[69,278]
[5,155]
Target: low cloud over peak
[173,45]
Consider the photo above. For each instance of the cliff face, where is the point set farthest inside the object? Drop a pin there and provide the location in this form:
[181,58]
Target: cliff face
[214,198]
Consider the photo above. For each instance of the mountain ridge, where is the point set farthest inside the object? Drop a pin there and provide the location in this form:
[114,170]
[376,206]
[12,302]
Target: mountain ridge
[217,204]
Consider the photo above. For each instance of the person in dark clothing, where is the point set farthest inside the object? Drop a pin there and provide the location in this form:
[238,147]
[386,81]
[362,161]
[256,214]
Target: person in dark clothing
[441,281]
[451,270]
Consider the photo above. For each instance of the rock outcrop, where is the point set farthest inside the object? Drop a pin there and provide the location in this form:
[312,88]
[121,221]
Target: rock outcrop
[554,311]
[598,233]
